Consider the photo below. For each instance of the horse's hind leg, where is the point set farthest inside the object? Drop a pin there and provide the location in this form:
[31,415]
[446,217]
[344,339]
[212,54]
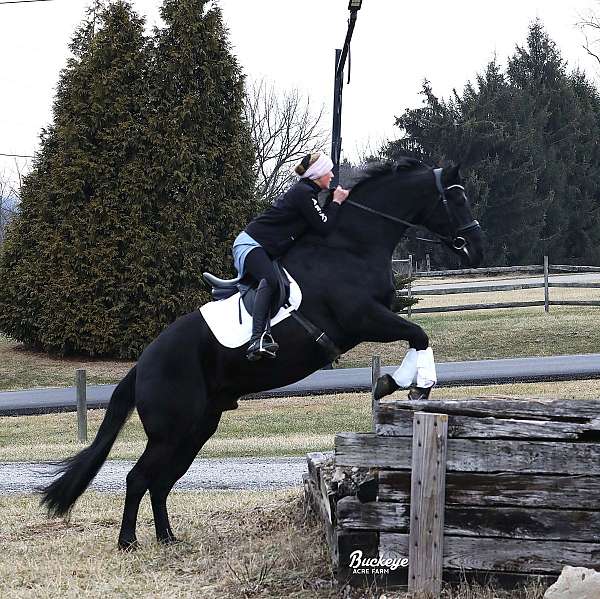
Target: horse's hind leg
[163,482]
[137,485]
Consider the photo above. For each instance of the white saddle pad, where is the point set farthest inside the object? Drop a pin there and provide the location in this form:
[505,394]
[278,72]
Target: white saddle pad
[223,317]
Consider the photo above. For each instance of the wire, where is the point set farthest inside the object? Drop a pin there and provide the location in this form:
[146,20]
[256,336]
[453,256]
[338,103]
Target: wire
[18,155]
[22,1]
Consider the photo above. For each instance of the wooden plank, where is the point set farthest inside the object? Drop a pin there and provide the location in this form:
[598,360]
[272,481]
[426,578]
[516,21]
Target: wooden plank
[390,421]
[567,268]
[502,522]
[546,287]
[426,534]
[458,289]
[576,285]
[472,455]
[575,410]
[509,555]
[375,374]
[466,307]
[497,270]
[573,303]
[501,489]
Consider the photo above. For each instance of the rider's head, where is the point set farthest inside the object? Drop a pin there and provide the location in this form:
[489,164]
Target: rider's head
[316,167]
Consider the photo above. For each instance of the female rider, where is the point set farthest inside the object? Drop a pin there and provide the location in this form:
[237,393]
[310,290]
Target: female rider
[272,233]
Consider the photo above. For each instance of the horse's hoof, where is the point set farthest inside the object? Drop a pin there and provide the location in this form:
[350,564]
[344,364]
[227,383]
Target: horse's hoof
[128,545]
[419,393]
[385,385]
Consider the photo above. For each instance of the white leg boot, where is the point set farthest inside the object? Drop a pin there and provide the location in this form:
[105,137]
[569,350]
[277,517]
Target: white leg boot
[403,377]
[426,375]
[407,371]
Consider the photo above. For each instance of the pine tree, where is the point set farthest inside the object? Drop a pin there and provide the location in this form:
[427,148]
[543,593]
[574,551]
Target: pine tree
[527,141]
[201,173]
[65,265]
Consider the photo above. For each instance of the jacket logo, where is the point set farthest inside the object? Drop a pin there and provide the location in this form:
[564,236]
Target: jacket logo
[318,209]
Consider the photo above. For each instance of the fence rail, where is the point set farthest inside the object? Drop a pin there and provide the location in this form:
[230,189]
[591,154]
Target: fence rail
[544,269]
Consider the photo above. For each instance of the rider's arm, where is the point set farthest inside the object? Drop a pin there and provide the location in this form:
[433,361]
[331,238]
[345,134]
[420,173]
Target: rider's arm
[321,221]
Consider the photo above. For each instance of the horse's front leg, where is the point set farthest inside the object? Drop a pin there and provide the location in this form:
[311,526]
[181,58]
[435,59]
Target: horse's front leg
[417,370]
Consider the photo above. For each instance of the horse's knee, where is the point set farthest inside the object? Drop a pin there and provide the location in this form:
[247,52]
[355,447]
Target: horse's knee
[419,339]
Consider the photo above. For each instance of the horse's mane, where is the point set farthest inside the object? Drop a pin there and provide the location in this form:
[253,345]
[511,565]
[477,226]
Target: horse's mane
[380,168]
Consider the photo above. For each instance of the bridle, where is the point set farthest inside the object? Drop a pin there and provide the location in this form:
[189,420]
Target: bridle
[456,241]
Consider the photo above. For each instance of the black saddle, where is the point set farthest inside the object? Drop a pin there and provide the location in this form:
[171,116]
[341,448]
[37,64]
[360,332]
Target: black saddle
[246,285]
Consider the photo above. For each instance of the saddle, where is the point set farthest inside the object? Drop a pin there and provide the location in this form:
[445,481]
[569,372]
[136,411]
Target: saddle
[222,289]
[247,285]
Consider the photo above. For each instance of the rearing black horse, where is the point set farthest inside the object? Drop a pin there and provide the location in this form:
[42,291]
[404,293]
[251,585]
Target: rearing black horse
[185,378]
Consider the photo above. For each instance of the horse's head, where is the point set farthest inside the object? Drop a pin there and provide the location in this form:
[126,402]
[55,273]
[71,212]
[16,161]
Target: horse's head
[450,217]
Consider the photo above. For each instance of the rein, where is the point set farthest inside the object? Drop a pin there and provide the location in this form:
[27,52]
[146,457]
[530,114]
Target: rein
[457,241]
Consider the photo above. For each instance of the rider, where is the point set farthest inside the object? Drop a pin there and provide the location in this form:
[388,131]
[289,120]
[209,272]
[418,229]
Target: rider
[272,233]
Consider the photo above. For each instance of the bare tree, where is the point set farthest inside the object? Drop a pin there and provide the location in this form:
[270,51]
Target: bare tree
[284,128]
[9,198]
[590,27]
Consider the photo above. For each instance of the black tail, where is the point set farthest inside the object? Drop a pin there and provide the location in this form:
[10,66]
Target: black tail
[79,471]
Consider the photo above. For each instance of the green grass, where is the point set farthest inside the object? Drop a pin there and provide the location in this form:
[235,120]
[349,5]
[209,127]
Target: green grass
[488,334]
[476,335]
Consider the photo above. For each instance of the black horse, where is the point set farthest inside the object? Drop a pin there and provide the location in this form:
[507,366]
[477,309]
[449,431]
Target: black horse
[185,379]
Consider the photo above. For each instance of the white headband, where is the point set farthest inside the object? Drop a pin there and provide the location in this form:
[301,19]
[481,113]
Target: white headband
[321,167]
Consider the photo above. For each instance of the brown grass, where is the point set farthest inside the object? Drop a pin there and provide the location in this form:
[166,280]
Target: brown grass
[22,368]
[234,545]
[258,428]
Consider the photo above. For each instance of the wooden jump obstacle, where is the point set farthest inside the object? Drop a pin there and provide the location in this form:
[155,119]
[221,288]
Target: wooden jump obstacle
[475,489]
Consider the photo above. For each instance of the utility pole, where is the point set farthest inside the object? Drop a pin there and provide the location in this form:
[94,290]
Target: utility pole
[338,88]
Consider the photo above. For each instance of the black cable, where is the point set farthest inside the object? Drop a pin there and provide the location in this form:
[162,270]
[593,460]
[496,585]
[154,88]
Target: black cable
[22,1]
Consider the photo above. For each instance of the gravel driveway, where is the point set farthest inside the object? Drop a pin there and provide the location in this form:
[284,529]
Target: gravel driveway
[258,474]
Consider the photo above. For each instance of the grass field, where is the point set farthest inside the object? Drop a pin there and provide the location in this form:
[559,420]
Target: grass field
[454,336]
[238,545]
[258,428]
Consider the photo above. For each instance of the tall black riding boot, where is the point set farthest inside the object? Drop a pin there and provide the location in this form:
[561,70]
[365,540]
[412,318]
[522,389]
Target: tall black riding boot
[261,342]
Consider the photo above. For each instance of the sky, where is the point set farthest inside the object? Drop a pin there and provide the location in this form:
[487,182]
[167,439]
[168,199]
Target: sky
[396,45]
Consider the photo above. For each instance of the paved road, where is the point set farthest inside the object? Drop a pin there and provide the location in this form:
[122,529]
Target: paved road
[233,473]
[554,368]
[508,280]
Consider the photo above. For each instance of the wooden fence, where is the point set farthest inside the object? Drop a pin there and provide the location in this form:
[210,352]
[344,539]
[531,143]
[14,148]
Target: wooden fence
[546,269]
[469,489]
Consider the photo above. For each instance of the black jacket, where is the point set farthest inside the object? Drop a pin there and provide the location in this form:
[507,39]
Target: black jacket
[293,213]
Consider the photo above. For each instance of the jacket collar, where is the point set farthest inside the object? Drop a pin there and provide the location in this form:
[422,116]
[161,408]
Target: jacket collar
[314,186]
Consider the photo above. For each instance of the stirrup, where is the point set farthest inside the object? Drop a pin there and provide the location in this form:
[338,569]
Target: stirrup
[267,347]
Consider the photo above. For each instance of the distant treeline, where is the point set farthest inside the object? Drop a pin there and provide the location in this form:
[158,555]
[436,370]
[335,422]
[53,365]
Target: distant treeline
[527,138]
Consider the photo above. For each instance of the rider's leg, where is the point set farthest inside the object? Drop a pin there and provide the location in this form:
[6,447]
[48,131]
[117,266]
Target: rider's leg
[259,265]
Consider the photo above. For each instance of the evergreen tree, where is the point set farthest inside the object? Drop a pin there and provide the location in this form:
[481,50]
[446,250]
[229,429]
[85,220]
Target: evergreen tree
[527,140]
[201,171]
[65,265]
[140,184]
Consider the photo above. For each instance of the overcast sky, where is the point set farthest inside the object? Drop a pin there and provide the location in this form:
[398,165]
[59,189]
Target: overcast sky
[396,44]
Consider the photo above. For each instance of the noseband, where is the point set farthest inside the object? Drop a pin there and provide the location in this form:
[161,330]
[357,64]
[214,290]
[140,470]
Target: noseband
[457,241]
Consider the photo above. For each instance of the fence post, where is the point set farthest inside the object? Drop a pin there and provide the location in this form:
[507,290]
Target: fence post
[410,273]
[375,374]
[428,261]
[81,405]
[546,288]
[427,497]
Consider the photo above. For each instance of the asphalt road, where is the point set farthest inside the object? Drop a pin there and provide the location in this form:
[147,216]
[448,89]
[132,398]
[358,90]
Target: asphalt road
[233,473]
[554,368]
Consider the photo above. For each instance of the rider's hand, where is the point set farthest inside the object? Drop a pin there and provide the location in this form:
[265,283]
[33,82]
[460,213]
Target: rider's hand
[340,194]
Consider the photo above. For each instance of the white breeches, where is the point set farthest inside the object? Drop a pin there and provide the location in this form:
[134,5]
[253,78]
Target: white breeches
[417,366]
